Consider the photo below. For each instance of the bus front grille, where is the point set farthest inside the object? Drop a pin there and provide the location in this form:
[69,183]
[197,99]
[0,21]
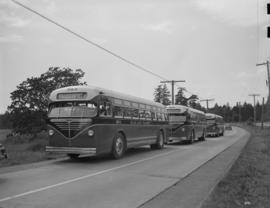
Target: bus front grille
[70,127]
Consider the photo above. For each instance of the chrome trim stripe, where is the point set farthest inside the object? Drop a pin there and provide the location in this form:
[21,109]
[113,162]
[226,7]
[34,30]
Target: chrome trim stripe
[74,150]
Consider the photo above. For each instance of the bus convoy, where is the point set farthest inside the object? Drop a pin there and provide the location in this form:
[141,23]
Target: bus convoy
[87,120]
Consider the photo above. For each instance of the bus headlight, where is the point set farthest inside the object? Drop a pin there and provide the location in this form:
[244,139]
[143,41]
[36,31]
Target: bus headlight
[51,132]
[90,132]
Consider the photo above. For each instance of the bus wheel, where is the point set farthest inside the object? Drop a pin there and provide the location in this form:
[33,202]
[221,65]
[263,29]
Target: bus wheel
[118,148]
[191,137]
[73,156]
[202,138]
[160,141]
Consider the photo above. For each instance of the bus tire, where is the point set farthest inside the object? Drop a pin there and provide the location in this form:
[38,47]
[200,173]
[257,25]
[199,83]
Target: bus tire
[118,146]
[73,156]
[191,137]
[202,138]
[160,141]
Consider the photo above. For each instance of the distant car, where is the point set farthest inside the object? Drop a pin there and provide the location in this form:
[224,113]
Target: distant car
[228,127]
[3,153]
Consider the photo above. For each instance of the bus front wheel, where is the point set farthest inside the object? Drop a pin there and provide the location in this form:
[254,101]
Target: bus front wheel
[118,147]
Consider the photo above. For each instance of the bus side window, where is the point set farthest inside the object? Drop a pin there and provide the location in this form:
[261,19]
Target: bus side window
[135,113]
[105,109]
[153,115]
[127,112]
[118,112]
[164,116]
[142,114]
[159,116]
[148,115]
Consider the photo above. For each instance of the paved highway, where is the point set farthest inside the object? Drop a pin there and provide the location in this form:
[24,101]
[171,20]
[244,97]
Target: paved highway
[102,182]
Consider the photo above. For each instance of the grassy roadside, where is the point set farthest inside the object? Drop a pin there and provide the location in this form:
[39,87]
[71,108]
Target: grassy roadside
[248,182]
[25,149]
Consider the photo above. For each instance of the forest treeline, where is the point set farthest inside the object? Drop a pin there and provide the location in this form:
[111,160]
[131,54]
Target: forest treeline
[235,113]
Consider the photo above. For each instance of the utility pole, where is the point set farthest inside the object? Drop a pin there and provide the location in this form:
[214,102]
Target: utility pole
[172,82]
[254,114]
[267,63]
[262,114]
[207,100]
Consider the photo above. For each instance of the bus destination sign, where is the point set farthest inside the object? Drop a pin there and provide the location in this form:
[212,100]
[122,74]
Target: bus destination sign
[71,96]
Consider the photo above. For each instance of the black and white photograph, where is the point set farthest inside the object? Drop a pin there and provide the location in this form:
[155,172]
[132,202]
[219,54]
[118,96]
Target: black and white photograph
[135,104]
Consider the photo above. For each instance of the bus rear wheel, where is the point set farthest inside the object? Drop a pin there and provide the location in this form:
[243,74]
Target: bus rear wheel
[118,147]
[160,141]
[202,138]
[191,137]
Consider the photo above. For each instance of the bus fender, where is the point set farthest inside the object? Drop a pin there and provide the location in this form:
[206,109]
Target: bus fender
[121,131]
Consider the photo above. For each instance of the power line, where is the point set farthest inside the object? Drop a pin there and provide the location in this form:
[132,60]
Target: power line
[89,41]
[93,43]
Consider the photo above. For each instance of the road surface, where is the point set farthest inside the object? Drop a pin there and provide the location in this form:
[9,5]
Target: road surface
[102,182]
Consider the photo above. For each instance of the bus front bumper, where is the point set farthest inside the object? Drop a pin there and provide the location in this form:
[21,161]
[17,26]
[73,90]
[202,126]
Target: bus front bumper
[72,150]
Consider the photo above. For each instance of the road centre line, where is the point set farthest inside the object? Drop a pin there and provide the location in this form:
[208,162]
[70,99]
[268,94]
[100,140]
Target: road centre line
[84,177]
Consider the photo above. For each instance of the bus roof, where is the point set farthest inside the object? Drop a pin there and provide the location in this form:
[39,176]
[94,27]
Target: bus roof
[212,116]
[92,91]
[183,108]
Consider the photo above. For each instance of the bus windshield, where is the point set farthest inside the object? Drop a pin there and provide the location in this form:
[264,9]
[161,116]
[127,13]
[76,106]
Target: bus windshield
[72,109]
[211,121]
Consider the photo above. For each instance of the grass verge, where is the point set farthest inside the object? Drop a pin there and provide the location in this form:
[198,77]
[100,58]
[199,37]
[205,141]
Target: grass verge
[248,182]
[26,149]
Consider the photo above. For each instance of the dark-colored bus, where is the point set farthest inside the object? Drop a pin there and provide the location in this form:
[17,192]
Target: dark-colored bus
[84,120]
[215,125]
[185,124]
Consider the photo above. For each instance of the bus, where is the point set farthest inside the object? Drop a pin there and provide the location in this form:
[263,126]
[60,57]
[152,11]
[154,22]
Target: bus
[215,125]
[185,124]
[88,120]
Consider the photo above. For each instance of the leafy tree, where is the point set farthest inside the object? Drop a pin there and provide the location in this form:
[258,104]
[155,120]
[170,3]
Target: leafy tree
[5,122]
[191,101]
[180,98]
[162,95]
[247,112]
[29,101]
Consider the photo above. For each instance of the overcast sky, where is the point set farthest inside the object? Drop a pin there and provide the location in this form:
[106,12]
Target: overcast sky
[212,44]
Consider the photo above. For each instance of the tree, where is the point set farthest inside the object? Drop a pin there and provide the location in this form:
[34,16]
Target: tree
[162,95]
[30,99]
[191,101]
[180,98]
[5,122]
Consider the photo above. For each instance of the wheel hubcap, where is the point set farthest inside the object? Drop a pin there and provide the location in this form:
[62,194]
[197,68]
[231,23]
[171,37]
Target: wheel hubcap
[119,145]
